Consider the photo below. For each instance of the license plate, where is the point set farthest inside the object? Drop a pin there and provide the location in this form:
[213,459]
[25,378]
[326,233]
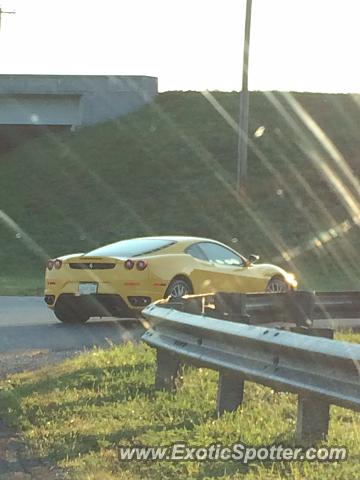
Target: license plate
[87,288]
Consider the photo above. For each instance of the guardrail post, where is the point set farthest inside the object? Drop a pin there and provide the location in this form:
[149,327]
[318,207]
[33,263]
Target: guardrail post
[230,392]
[168,371]
[300,306]
[231,306]
[313,414]
[313,419]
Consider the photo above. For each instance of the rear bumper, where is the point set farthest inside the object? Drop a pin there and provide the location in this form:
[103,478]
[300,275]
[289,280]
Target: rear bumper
[135,296]
[96,305]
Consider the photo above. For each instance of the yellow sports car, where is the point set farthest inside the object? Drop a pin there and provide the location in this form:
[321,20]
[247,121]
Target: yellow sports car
[122,278]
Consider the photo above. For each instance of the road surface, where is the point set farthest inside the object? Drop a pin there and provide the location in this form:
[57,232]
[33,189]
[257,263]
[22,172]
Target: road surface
[30,335]
[26,323]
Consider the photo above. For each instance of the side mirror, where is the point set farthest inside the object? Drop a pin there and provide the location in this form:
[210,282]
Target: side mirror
[253,258]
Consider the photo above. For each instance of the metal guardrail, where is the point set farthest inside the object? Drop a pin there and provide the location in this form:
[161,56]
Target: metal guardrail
[320,371]
[292,308]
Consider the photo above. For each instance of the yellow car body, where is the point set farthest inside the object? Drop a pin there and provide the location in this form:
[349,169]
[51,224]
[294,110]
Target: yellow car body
[122,278]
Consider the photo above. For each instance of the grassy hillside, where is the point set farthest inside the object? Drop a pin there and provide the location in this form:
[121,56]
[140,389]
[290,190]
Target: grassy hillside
[170,168]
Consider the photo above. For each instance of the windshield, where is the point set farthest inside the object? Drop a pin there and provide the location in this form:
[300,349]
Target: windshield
[131,248]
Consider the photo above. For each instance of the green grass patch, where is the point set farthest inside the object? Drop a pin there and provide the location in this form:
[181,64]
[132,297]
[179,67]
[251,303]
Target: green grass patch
[170,169]
[79,412]
[22,285]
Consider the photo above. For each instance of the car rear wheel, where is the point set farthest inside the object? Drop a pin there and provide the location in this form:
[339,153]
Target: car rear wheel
[70,315]
[178,287]
[277,285]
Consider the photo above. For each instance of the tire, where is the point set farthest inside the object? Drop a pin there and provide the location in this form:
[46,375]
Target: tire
[68,314]
[277,285]
[178,287]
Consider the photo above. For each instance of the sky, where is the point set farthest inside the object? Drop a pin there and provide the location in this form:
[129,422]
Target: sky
[297,45]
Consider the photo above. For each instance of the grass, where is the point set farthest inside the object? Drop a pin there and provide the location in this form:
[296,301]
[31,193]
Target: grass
[28,284]
[79,412]
[169,169]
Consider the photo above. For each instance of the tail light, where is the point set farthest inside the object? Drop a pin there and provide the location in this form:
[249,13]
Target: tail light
[50,264]
[141,264]
[57,264]
[129,264]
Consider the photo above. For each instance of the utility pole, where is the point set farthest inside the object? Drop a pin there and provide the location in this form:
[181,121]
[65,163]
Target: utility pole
[1,13]
[244,107]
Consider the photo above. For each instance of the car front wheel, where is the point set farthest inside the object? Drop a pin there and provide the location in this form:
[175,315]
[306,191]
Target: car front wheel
[277,285]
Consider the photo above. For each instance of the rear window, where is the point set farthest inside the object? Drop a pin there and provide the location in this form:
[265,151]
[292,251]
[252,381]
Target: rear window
[131,248]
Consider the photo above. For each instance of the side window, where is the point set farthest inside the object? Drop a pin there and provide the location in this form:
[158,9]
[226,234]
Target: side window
[196,252]
[219,255]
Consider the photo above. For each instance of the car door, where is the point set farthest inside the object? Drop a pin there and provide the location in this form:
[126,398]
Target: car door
[219,268]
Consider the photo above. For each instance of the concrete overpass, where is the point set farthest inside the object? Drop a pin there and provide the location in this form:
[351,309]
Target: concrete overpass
[73,100]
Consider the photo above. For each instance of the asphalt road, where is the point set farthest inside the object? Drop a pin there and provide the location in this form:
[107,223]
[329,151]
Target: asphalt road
[27,324]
